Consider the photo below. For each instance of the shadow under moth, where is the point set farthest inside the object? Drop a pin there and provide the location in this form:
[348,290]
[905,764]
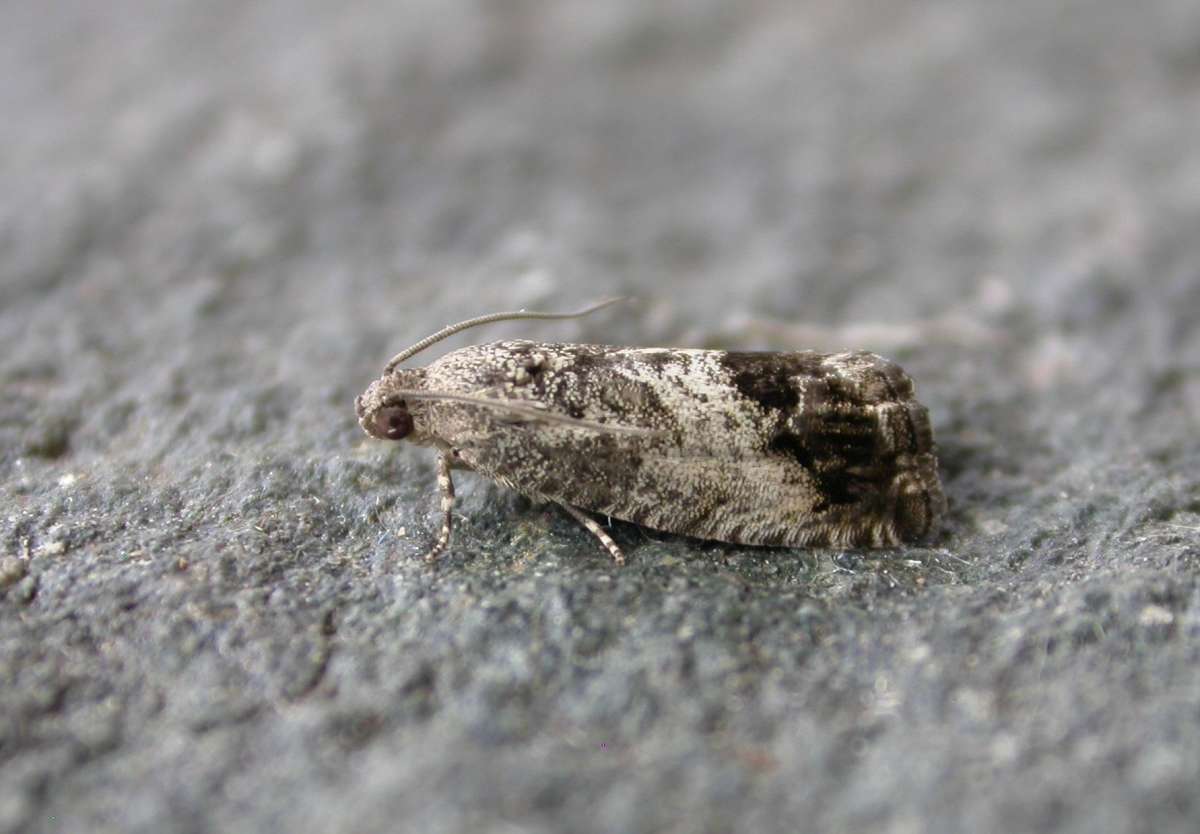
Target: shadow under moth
[756,448]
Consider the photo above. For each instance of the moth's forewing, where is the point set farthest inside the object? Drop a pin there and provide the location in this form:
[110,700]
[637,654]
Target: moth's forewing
[755,448]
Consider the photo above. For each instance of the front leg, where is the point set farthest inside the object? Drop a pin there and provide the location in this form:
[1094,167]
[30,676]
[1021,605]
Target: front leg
[446,489]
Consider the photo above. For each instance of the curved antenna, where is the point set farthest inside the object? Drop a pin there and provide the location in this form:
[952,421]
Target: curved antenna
[530,411]
[488,319]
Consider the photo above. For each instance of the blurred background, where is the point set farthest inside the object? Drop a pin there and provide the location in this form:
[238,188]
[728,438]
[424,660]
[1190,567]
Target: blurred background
[217,222]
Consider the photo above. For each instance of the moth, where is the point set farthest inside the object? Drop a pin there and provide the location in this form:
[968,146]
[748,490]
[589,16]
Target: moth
[757,448]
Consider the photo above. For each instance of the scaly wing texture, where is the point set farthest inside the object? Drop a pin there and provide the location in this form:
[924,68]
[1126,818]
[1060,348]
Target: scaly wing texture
[756,448]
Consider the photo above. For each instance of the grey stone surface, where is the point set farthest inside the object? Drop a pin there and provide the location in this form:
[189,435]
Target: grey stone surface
[218,220]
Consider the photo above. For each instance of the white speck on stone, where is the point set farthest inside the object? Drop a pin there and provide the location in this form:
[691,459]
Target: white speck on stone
[54,547]
[993,527]
[1004,749]
[68,480]
[1155,615]
[974,703]
[918,653]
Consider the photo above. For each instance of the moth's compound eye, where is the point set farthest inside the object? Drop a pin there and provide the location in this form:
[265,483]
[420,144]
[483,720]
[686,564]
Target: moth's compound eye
[393,422]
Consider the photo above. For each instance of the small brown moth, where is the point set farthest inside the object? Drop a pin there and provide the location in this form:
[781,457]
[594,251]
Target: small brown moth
[768,448]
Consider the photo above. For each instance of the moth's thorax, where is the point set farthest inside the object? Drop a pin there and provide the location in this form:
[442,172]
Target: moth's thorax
[384,413]
[497,365]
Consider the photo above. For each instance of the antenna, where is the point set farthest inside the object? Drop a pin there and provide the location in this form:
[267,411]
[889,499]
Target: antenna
[446,332]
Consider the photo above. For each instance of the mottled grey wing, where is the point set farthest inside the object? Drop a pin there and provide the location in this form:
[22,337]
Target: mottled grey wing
[756,448]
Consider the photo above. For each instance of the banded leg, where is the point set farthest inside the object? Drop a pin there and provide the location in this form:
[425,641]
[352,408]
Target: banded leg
[446,488]
[597,531]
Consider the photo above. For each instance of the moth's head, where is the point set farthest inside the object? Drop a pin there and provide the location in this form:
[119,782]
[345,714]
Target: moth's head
[384,413]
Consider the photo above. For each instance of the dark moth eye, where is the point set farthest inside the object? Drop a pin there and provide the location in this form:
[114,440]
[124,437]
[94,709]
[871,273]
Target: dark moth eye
[393,422]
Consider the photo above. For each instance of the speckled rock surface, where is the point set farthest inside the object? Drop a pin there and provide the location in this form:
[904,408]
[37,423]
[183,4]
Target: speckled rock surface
[217,222]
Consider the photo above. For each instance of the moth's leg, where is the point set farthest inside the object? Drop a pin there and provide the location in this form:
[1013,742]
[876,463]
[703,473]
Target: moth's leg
[446,488]
[597,531]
